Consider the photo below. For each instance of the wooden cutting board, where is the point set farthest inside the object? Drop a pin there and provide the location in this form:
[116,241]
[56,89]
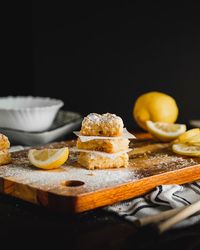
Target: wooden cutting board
[72,188]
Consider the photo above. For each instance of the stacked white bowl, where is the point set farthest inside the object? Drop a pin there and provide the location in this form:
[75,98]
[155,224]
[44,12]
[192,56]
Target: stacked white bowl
[28,113]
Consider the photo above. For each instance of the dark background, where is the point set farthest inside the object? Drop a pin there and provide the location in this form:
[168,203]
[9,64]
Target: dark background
[97,59]
[100,58]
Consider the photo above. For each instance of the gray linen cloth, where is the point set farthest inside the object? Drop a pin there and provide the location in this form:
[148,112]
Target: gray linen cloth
[162,198]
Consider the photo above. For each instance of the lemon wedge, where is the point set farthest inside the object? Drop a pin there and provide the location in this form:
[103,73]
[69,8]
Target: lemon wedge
[48,158]
[165,131]
[187,150]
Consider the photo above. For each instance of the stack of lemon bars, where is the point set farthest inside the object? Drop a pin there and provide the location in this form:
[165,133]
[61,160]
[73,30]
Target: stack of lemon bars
[103,142]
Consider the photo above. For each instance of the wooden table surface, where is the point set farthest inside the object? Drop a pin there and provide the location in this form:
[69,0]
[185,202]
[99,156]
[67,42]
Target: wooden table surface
[27,225]
[30,225]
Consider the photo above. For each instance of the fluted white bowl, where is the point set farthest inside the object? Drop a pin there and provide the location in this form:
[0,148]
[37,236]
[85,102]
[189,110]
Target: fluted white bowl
[28,113]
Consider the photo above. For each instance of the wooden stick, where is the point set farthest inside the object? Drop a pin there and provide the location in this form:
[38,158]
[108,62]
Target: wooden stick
[183,214]
[158,217]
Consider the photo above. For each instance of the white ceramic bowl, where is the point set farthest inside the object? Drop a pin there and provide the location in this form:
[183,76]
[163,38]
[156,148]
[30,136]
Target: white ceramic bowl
[64,124]
[29,113]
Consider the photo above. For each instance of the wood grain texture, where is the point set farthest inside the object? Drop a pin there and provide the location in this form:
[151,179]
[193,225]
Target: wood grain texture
[72,189]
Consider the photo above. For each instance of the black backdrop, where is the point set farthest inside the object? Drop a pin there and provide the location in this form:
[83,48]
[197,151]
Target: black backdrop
[100,58]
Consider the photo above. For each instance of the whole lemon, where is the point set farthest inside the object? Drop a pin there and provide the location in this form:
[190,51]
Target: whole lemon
[155,106]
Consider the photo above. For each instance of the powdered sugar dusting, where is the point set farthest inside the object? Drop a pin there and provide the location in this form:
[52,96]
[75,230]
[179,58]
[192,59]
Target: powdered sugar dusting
[97,118]
[93,117]
[148,164]
[105,118]
[48,180]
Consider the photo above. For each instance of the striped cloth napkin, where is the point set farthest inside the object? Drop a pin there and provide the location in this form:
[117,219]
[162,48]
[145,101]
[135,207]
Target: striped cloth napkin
[162,198]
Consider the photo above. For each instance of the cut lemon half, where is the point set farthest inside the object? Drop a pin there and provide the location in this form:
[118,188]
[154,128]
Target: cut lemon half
[191,135]
[165,131]
[48,158]
[187,150]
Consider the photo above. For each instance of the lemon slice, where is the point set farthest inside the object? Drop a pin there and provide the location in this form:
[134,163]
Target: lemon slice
[48,158]
[190,135]
[184,149]
[194,140]
[165,131]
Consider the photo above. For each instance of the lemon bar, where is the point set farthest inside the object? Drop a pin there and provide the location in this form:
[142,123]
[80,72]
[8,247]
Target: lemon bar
[5,157]
[4,142]
[108,146]
[102,125]
[94,161]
